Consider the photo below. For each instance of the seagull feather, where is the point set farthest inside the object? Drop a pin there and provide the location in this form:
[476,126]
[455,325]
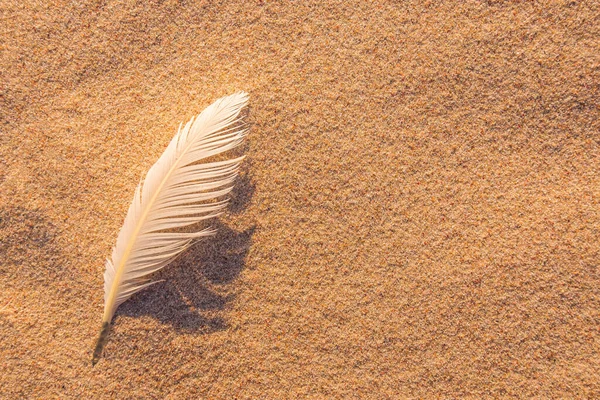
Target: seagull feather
[183,188]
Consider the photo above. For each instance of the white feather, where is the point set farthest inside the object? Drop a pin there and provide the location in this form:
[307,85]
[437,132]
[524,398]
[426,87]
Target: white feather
[178,191]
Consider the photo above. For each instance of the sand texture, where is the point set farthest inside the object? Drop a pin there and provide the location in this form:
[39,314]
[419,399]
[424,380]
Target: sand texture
[418,215]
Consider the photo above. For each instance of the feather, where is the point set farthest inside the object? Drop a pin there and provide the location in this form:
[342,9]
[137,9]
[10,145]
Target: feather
[181,189]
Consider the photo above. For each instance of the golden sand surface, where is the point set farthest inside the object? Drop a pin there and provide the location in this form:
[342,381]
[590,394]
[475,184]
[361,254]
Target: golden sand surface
[418,215]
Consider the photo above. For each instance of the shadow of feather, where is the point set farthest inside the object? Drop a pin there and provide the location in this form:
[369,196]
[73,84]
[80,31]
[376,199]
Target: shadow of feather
[198,286]
[242,193]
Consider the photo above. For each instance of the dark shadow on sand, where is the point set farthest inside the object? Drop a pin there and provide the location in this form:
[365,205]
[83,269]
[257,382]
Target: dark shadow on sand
[197,286]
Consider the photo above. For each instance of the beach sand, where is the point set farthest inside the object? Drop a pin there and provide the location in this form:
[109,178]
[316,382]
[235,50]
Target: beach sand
[418,215]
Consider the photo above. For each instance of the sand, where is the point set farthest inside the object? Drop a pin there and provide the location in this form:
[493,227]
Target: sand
[418,215]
